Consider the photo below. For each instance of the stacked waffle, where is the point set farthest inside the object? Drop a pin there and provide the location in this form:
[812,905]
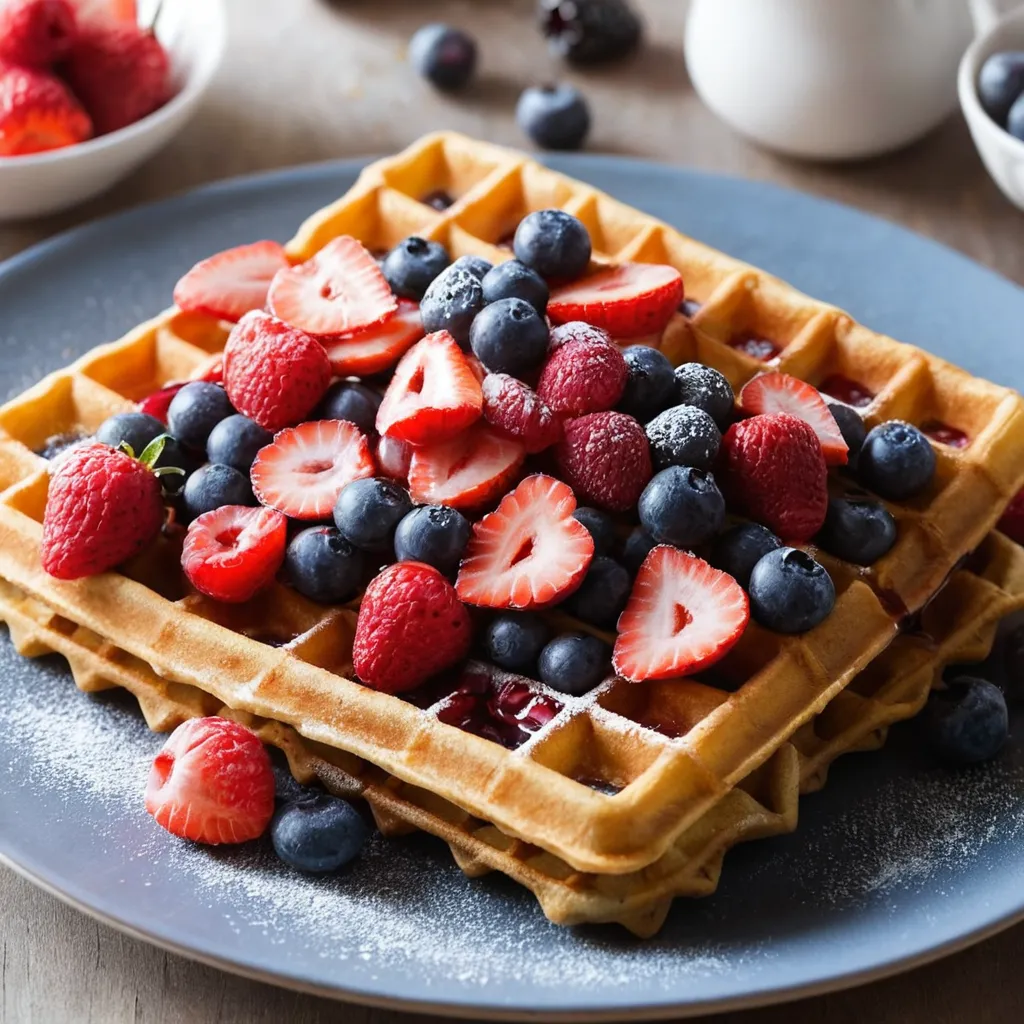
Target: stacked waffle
[606,806]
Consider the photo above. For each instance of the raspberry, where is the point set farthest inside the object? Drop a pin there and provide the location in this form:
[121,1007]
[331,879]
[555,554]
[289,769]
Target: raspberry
[605,459]
[411,626]
[775,471]
[577,330]
[514,410]
[273,373]
[582,376]
[36,33]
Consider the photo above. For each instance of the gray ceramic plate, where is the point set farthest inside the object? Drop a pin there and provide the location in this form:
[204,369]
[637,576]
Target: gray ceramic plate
[894,863]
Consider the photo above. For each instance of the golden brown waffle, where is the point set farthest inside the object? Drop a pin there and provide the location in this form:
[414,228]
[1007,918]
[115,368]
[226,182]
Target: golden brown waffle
[605,786]
[957,627]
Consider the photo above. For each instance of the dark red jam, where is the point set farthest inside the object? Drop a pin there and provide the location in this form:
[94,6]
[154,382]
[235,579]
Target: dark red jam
[438,200]
[845,390]
[753,345]
[945,434]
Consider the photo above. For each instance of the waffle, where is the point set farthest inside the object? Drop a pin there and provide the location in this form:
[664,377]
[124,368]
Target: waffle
[958,626]
[611,780]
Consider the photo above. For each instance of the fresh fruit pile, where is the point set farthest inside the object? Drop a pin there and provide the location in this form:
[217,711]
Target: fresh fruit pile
[74,69]
[1001,90]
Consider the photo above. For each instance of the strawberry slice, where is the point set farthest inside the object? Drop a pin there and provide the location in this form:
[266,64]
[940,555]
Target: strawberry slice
[682,616]
[106,11]
[529,552]
[779,392]
[157,404]
[433,394]
[341,289]
[302,472]
[211,370]
[469,471]
[627,301]
[376,348]
[231,283]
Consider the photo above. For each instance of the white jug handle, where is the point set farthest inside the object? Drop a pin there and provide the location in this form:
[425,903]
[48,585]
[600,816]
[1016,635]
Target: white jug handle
[985,13]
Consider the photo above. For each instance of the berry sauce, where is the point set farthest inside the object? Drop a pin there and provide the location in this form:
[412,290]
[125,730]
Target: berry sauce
[438,200]
[753,345]
[945,434]
[847,391]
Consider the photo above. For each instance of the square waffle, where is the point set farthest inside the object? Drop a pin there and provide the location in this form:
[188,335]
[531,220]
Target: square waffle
[957,627]
[606,783]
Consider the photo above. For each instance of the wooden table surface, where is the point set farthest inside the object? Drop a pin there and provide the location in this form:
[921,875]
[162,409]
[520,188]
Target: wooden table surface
[308,80]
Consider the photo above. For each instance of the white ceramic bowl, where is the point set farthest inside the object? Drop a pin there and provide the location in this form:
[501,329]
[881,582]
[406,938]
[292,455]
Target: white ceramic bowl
[194,32]
[1001,153]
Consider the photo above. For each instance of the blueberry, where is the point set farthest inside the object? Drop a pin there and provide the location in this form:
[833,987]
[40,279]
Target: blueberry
[435,534]
[738,550]
[851,426]
[637,547]
[897,461]
[790,592]
[213,486]
[682,506]
[705,388]
[589,31]
[857,530]
[554,116]
[514,641]
[138,430]
[195,410]
[368,510]
[574,663]
[602,595]
[476,265]
[601,527]
[412,265]
[324,566]
[318,833]
[515,280]
[1000,82]
[1015,119]
[452,301]
[554,243]
[967,722]
[352,401]
[683,436]
[443,55]
[235,442]
[651,384]
[689,308]
[509,336]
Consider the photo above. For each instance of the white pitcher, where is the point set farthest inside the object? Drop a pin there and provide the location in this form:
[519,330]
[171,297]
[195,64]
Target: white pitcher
[830,79]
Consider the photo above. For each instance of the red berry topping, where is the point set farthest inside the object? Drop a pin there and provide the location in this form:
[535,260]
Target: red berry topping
[515,410]
[103,506]
[212,783]
[231,283]
[90,11]
[212,370]
[529,552]
[36,33]
[376,348]
[411,625]
[682,616]
[779,392]
[273,373]
[581,376]
[340,289]
[577,330]
[38,113]
[627,301]
[1012,523]
[469,471]
[157,404]
[775,471]
[234,551]
[433,394]
[605,459]
[306,467]
[120,72]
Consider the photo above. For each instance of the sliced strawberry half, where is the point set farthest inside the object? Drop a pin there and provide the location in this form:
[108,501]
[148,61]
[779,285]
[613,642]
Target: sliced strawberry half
[302,472]
[469,471]
[682,616]
[779,392]
[341,289]
[116,11]
[627,301]
[376,348]
[529,552]
[433,394]
[231,283]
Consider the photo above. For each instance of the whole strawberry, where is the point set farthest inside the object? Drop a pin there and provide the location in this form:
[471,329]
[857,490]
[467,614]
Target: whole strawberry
[103,506]
[411,626]
[775,471]
[36,33]
[120,72]
[38,113]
